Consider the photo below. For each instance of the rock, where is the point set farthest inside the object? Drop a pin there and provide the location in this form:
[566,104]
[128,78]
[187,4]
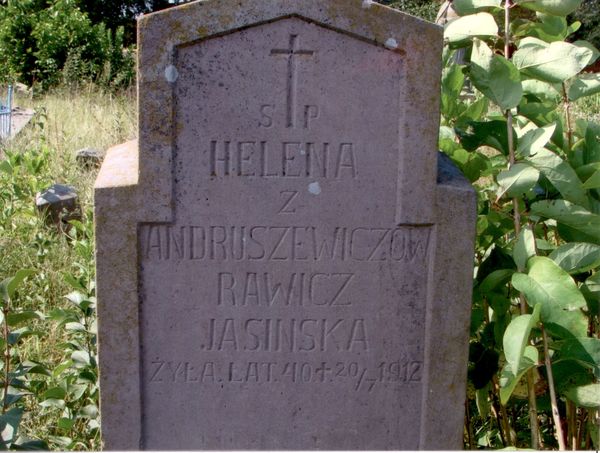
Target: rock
[59,204]
[89,157]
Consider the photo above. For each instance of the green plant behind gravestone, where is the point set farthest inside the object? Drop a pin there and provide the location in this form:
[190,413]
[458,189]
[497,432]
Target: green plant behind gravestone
[535,307]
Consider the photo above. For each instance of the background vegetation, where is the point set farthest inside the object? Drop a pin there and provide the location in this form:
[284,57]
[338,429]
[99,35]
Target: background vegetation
[527,136]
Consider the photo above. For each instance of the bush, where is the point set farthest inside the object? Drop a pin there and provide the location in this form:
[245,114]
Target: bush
[59,43]
[589,16]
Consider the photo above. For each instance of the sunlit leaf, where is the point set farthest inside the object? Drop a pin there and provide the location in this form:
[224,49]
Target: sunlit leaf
[474,25]
[555,7]
[584,85]
[577,218]
[517,180]
[524,248]
[554,62]
[585,396]
[575,257]
[495,76]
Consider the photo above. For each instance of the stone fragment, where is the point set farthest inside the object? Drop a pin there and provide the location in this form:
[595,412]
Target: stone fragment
[89,157]
[58,204]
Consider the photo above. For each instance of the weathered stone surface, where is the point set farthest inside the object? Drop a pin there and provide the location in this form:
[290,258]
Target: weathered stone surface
[89,157]
[58,203]
[276,263]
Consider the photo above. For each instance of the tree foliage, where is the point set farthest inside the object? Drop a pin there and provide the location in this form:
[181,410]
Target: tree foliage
[507,122]
[39,39]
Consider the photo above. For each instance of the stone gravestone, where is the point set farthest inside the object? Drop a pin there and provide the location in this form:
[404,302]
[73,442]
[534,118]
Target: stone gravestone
[280,264]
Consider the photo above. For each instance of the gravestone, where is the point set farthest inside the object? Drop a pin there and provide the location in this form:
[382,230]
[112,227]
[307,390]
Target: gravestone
[280,265]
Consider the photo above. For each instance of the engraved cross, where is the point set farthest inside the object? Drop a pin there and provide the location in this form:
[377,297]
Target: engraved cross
[291,53]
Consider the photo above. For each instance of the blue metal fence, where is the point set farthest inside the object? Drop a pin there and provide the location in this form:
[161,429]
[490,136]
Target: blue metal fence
[6,115]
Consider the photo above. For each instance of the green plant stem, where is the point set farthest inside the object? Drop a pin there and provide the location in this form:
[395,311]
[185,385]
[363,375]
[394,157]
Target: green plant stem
[533,419]
[567,104]
[572,425]
[555,414]
[503,418]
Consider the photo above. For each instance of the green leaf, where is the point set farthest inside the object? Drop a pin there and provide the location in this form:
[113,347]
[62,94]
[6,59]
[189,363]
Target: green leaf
[517,180]
[593,182]
[54,392]
[16,318]
[475,25]
[482,401]
[542,90]
[534,140]
[548,285]
[554,62]
[495,279]
[18,334]
[588,45]
[65,423]
[485,133]
[569,373]
[89,411]
[474,111]
[524,248]
[585,396]
[464,7]
[509,379]
[554,7]
[496,77]
[452,83]
[549,28]
[53,402]
[6,167]
[516,337]
[584,350]
[9,424]
[584,85]
[9,285]
[30,445]
[519,356]
[577,257]
[577,218]
[73,282]
[561,175]
[81,358]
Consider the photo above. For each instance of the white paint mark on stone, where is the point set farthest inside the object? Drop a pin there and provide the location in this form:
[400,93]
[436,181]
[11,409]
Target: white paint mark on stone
[366,4]
[171,73]
[314,188]
[302,152]
[391,43]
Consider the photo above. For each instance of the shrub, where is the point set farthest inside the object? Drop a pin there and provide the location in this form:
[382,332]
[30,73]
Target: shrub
[59,42]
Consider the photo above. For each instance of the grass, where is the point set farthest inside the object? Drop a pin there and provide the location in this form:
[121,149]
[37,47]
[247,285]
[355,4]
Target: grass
[43,154]
[588,108]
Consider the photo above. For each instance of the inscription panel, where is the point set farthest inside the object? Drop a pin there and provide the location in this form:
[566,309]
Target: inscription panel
[284,308]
